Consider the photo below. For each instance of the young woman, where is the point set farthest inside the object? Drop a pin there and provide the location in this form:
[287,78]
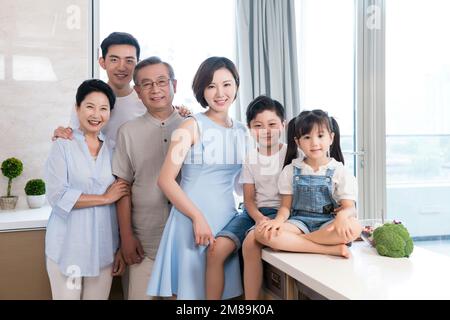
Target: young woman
[208,149]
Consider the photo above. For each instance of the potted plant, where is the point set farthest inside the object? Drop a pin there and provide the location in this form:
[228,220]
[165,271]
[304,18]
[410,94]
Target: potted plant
[11,168]
[35,191]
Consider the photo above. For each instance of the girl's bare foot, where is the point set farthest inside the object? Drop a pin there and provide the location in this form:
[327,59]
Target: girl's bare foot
[344,251]
[340,250]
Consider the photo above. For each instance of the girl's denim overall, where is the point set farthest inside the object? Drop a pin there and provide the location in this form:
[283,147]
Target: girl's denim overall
[313,205]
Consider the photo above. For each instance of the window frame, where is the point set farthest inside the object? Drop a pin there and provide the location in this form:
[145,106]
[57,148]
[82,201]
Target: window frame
[95,38]
[370,108]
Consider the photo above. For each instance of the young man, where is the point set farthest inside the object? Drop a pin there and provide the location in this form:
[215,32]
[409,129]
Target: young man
[120,54]
[142,145]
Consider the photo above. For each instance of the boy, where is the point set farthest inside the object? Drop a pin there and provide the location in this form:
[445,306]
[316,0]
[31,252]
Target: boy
[260,172]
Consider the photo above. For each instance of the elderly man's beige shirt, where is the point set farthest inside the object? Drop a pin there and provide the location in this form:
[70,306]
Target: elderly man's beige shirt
[141,147]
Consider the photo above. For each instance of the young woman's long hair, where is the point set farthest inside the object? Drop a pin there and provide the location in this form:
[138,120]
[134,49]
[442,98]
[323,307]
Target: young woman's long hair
[303,124]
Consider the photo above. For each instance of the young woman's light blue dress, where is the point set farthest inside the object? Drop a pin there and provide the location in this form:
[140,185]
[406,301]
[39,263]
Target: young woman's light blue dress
[208,178]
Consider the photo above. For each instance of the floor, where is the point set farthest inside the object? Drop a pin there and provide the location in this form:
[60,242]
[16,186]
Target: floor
[439,246]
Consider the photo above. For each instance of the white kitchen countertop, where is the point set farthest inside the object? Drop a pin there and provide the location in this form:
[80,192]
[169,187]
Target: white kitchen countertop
[24,218]
[367,275]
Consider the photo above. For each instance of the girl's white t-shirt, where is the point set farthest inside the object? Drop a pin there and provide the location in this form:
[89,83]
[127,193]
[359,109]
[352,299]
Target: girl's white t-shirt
[263,171]
[344,183]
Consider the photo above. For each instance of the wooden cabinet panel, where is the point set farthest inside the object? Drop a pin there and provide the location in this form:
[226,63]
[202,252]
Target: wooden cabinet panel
[277,284]
[22,263]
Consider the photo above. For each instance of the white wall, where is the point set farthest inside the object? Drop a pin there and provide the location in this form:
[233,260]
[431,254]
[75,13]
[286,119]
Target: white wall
[43,59]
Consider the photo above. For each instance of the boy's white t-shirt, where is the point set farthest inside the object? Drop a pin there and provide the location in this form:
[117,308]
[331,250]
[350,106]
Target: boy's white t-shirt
[263,171]
[125,109]
[344,183]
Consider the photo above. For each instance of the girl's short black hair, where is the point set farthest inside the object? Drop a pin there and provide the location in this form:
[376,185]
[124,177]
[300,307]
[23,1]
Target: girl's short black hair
[263,103]
[95,85]
[205,74]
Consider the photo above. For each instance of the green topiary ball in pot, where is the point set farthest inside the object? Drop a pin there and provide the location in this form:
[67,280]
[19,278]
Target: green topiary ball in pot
[11,168]
[35,187]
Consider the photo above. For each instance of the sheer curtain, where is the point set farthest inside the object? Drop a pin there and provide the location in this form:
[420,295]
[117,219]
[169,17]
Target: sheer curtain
[267,53]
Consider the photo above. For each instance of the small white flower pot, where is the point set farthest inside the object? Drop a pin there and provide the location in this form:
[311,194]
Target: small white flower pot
[36,201]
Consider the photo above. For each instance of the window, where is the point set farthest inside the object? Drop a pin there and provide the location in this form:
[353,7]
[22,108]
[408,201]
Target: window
[183,33]
[326,50]
[418,115]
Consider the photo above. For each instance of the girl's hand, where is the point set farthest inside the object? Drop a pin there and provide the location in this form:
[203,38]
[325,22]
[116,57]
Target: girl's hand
[341,225]
[119,264]
[336,211]
[202,233]
[116,190]
[269,227]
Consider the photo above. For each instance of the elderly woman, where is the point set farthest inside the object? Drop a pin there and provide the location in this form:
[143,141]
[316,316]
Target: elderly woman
[82,240]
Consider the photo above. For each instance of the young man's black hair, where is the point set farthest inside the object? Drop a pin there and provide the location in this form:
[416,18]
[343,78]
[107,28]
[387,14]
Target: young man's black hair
[120,38]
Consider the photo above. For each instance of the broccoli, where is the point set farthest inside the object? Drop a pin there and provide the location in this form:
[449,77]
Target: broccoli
[393,240]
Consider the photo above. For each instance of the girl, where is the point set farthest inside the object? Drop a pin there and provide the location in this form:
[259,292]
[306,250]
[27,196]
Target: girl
[208,149]
[318,189]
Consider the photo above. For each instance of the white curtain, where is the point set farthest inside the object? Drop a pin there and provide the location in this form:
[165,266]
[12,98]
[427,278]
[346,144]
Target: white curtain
[267,53]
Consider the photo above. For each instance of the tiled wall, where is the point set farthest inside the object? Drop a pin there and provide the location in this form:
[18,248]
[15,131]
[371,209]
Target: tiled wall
[43,58]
